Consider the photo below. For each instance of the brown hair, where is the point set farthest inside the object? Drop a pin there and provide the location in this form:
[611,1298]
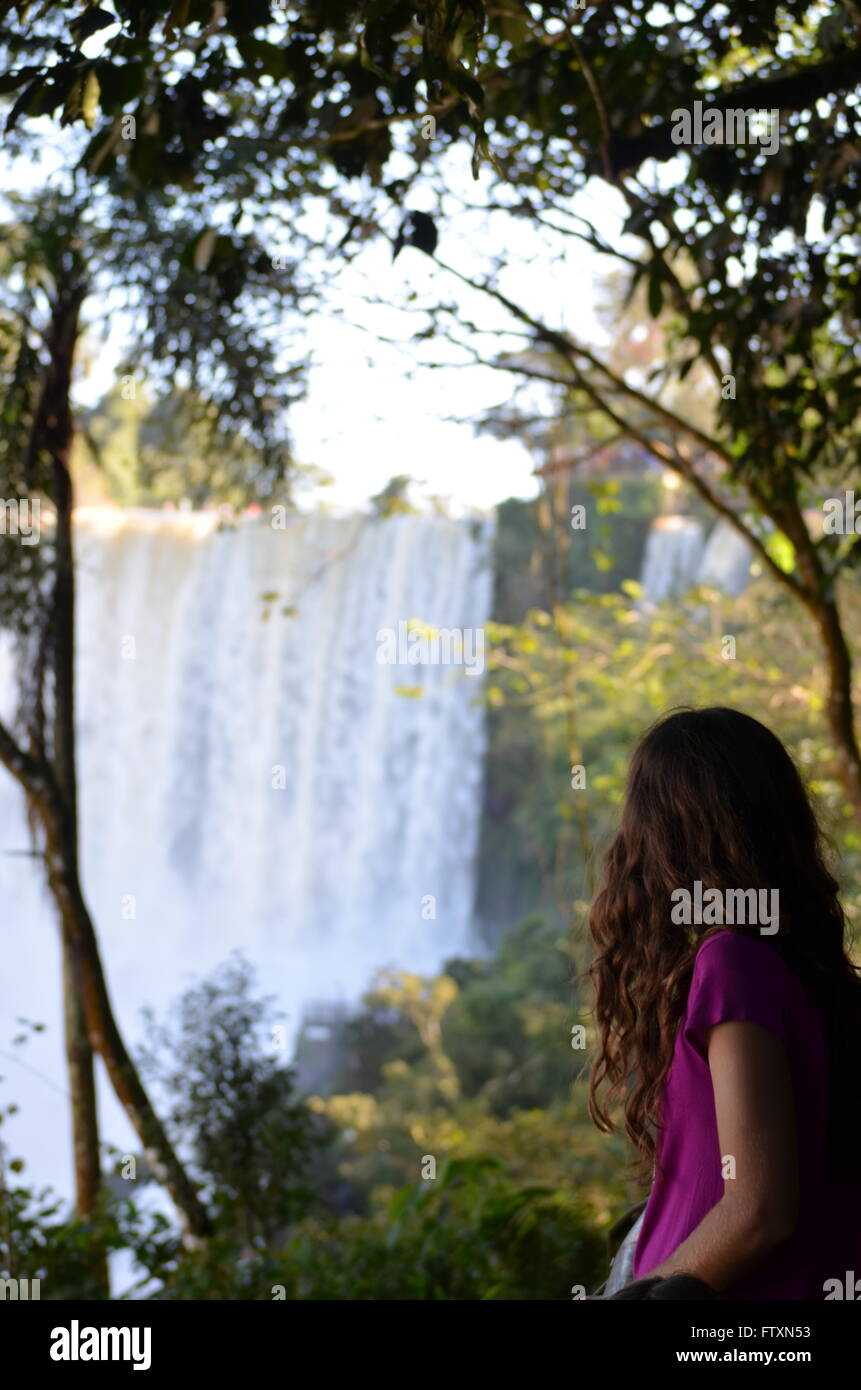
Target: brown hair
[713,796]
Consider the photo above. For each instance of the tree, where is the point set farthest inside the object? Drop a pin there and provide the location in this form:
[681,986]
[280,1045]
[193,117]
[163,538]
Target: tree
[59,253]
[42,756]
[169,83]
[780,487]
[141,449]
[749,239]
[229,1096]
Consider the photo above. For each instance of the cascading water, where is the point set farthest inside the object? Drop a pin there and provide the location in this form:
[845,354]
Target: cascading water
[674,548]
[677,559]
[726,561]
[251,775]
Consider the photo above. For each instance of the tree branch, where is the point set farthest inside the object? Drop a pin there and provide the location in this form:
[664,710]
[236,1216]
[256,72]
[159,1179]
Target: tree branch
[568,348]
[31,773]
[795,91]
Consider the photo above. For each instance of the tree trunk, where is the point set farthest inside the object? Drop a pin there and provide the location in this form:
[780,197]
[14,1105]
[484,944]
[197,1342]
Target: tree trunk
[53,794]
[55,414]
[839,709]
[82,1089]
[818,592]
[54,422]
[80,1072]
[104,1034]
[814,591]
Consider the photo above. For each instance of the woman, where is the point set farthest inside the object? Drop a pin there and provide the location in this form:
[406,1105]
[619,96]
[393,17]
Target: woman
[730,1020]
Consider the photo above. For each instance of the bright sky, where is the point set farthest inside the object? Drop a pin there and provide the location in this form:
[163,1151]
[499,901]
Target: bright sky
[366,419]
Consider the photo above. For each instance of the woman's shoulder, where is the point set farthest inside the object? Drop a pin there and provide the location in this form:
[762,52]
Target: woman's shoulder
[734,953]
[730,948]
[739,977]
[739,956]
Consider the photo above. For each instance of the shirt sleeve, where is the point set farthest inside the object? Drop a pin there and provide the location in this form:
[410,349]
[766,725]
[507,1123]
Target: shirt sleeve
[736,979]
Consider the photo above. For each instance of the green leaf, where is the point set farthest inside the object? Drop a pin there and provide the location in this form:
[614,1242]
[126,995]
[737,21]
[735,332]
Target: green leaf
[90,22]
[468,88]
[11,80]
[367,61]
[782,551]
[24,101]
[90,99]
[204,246]
[656,291]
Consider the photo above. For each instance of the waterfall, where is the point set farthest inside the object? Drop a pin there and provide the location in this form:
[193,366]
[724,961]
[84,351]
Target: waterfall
[251,775]
[674,548]
[677,559]
[726,561]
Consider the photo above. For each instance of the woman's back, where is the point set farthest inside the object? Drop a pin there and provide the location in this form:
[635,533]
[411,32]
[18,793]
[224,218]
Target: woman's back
[741,978]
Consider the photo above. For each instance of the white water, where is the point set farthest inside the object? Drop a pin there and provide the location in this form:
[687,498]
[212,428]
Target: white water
[190,700]
[674,548]
[726,561]
[677,558]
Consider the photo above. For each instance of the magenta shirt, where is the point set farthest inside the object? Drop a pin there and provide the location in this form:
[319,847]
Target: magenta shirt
[744,979]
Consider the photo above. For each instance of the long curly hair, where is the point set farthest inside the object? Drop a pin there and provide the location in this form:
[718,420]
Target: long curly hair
[713,796]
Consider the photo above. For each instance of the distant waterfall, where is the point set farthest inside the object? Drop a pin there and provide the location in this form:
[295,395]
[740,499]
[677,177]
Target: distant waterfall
[726,561]
[251,775]
[677,558]
[674,548]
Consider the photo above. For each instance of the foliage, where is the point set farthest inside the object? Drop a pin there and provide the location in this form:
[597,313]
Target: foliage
[38,1240]
[138,450]
[256,115]
[217,340]
[621,512]
[470,1234]
[515,1203]
[752,251]
[201,137]
[350,51]
[630,663]
[230,1098]
[392,500]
